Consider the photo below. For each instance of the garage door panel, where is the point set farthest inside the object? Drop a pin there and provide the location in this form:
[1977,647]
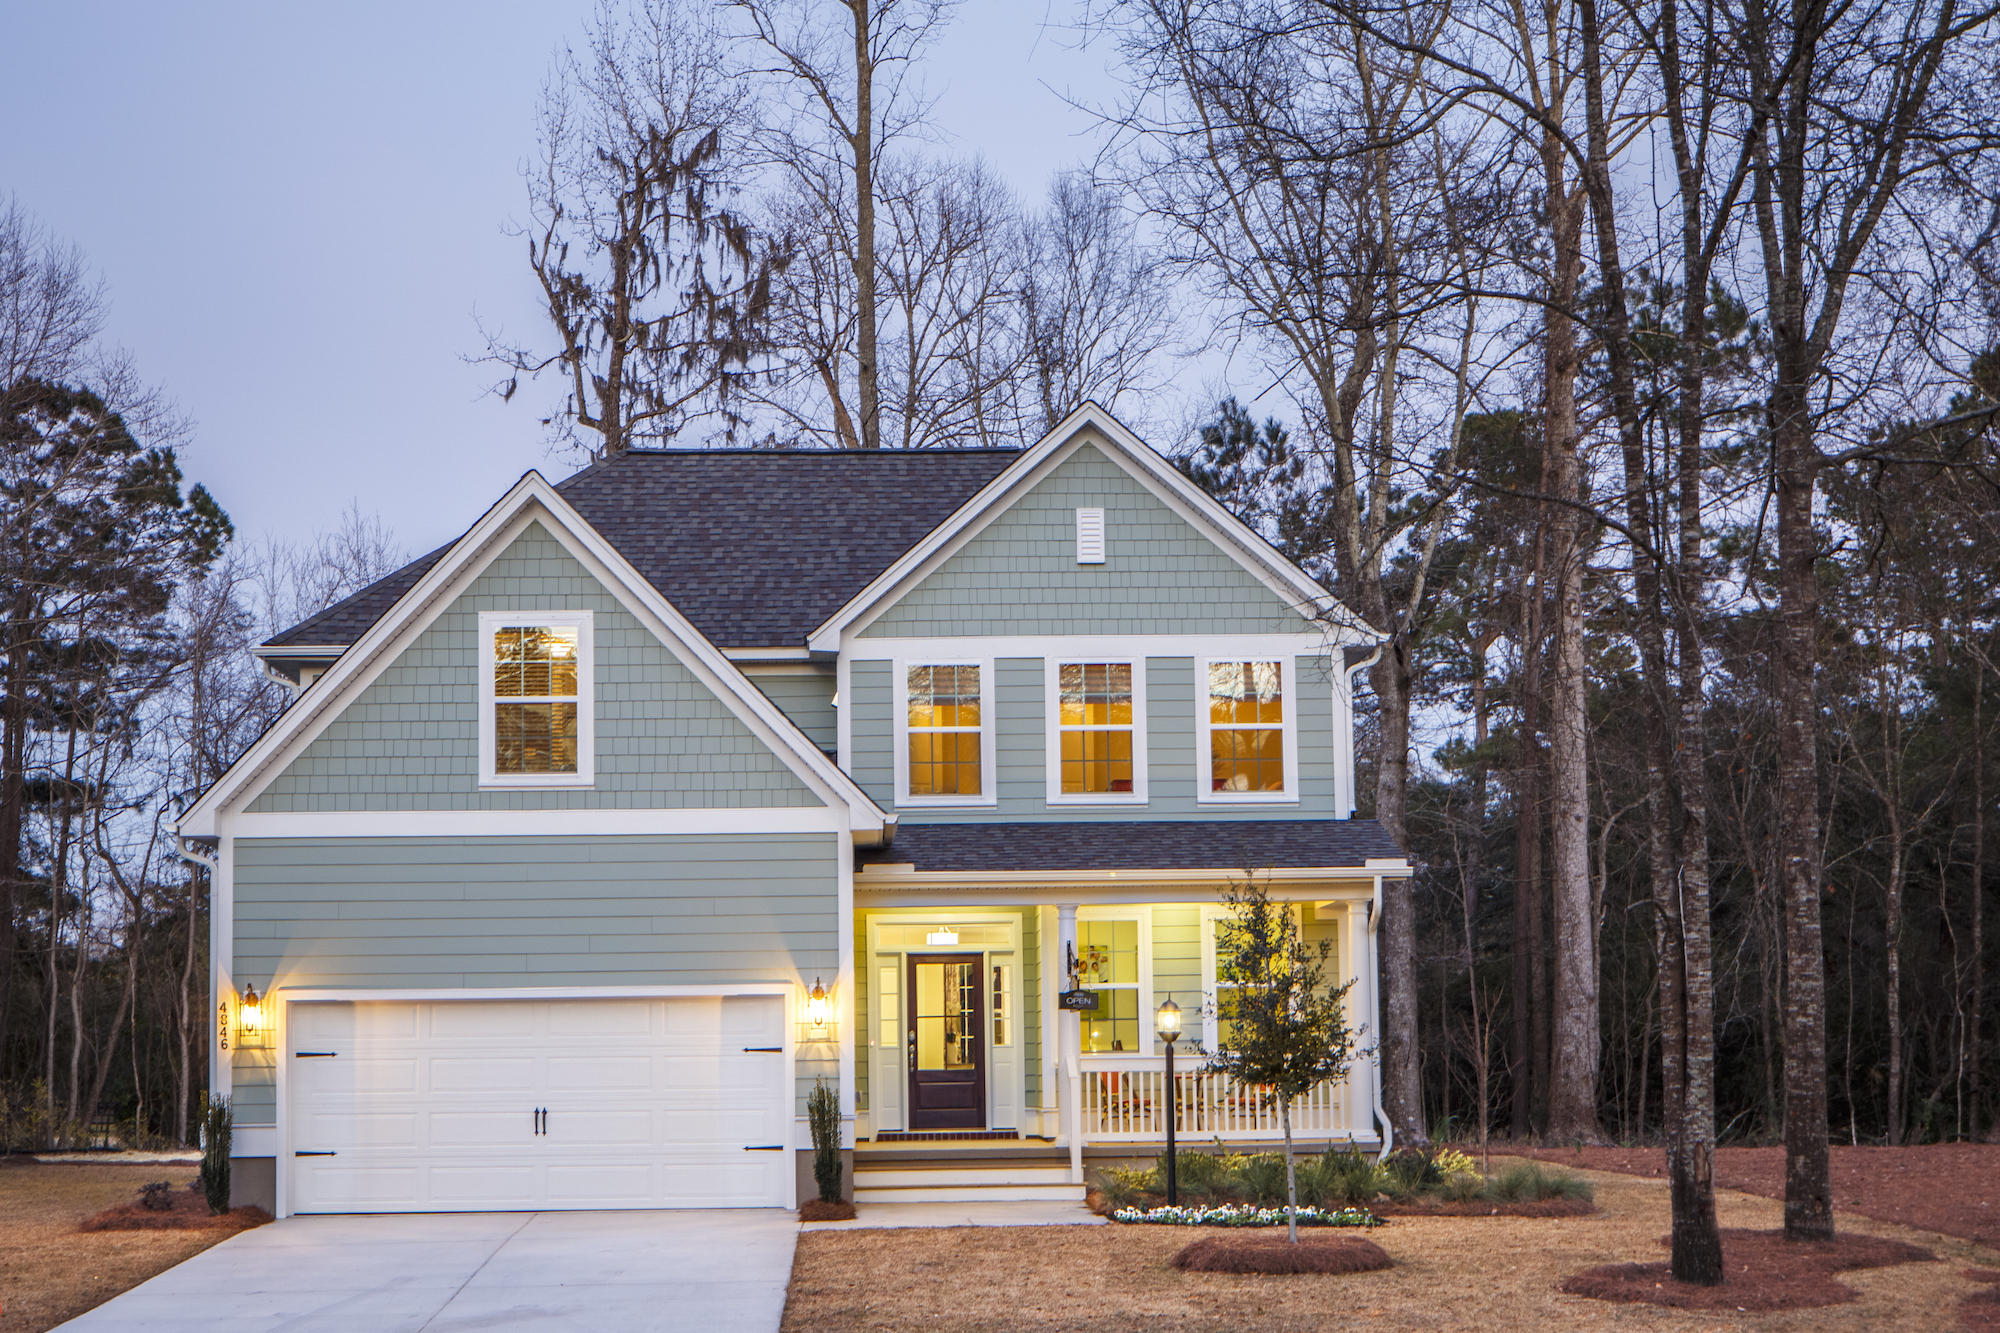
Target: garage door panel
[479,1129]
[359,1129]
[583,1074]
[489,1073]
[432,1106]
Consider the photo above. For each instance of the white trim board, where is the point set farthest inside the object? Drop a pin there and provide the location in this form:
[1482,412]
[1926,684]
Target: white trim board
[1091,424]
[531,500]
[732,820]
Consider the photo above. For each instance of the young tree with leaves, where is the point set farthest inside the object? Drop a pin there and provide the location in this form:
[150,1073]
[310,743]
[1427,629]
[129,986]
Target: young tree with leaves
[1283,1025]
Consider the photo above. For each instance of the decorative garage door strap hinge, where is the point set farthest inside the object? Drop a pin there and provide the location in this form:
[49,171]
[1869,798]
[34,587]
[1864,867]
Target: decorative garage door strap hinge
[775,1050]
[315,1154]
[314,1055]
[764,1147]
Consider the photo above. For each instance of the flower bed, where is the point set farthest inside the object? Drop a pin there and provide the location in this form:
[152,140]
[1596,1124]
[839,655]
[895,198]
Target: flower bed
[1245,1215]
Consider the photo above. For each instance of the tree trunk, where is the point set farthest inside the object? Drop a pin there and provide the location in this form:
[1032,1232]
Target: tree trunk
[1808,1174]
[1975,1022]
[1574,1036]
[1402,1084]
[867,387]
[1892,949]
[1291,1174]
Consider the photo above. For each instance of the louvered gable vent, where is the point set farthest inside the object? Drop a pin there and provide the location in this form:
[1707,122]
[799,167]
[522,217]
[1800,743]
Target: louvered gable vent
[1090,536]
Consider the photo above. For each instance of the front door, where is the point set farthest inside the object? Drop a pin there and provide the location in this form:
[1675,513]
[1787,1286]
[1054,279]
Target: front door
[947,1056]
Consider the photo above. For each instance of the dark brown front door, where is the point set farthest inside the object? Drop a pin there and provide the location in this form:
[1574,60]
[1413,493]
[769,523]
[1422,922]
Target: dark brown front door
[946,1046]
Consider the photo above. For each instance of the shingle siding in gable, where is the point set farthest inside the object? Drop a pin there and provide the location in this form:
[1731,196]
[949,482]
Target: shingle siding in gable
[410,741]
[807,700]
[1020,576]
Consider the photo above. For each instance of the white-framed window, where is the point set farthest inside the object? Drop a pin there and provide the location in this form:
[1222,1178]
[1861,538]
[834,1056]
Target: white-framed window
[944,732]
[535,699]
[1096,730]
[1217,988]
[1114,950]
[1246,747]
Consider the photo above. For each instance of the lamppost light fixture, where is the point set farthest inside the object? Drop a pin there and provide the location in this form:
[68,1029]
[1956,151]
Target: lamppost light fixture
[1167,1020]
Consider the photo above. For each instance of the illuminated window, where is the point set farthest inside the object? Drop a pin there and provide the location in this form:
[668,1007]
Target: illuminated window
[1003,1005]
[1247,737]
[1108,954]
[1098,744]
[945,728]
[535,707]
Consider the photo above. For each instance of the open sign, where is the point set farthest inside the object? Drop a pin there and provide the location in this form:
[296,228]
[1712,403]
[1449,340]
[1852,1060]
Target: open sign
[1080,1000]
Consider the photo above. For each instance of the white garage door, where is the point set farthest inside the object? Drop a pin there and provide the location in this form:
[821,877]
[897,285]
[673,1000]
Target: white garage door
[538,1104]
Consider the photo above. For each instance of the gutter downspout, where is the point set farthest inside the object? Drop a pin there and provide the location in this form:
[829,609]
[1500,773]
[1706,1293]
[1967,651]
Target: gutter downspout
[1375,1015]
[1348,740]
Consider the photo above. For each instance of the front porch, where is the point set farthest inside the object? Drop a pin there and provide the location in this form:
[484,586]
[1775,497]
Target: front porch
[972,1079]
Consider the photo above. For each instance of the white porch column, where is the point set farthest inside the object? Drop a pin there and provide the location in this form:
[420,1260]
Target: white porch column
[1362,1078]
[1069,1045]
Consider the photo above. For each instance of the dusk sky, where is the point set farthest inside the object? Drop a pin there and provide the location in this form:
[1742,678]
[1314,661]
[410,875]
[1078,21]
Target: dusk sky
[300,209]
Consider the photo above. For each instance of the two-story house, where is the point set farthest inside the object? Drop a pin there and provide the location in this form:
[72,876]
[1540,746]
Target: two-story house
[593,839]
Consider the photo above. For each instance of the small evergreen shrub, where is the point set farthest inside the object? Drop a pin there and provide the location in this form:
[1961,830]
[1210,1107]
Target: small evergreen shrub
[1352,1177]
[1263,1177]
[1531,1183]
[157,1197]
[823,1118]
[218,1124]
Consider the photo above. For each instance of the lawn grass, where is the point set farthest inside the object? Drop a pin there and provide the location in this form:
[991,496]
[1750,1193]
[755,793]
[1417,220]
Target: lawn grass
[1491,1273]
[50,1271]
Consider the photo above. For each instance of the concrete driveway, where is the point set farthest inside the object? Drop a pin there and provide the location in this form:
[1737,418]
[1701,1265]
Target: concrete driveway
[435,1273]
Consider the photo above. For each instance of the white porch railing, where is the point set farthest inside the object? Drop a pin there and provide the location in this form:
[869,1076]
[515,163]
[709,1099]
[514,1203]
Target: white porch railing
[1124,1100]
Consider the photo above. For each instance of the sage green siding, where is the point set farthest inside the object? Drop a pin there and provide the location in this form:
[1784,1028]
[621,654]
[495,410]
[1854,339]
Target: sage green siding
[1020,575]
[410,741]
[807,700]
[541,911]
[1173,766]
[1177,962]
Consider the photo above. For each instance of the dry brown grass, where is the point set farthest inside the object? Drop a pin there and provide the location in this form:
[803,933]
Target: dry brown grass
[50,1271]
[1487,1274]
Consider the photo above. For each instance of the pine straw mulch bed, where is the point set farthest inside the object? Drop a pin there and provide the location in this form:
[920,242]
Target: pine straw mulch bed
[819,1210]
[189,1212]
[49,1270]
[1980,1312]
[1764,1272]
[1949,1187]
[1491,1274]
[1276,1254]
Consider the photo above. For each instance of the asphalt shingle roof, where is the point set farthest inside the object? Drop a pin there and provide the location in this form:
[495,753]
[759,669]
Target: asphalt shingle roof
[756,547]
[1170,844]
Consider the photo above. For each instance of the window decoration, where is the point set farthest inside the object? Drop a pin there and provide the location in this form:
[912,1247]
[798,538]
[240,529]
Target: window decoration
[1246,729]
[1095,728]
[945,721]
[535,690]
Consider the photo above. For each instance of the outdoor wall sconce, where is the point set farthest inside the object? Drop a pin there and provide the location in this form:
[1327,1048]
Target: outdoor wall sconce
[816,1016]
[253,1022]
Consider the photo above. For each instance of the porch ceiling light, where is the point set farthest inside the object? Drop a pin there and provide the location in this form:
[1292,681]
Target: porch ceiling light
[253,1025]
[1167,1021]
[817,1022]
[943,935]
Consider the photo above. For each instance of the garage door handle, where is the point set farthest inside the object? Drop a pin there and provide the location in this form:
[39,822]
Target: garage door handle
[314,1055]
[315,1154]
[775,1050]
[764,1147]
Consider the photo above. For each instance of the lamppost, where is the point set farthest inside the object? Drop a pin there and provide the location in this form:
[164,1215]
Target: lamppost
[1167,1022]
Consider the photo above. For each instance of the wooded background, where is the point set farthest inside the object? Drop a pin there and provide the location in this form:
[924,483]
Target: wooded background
[1629,365]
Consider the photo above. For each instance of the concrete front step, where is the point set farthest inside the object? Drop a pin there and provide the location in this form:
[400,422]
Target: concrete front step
[876,1177]
[995,1192]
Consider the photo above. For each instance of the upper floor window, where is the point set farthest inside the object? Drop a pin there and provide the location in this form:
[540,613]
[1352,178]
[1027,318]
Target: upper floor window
[1248,738]
[535,698]
[1097,743]
[945,755]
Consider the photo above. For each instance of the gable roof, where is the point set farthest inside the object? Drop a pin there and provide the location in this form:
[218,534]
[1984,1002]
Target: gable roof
[755,547]
[532,499]
[1091,423]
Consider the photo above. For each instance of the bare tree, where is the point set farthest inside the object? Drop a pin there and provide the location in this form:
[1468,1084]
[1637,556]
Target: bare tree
[852,98]
[1098,310]
[655,287]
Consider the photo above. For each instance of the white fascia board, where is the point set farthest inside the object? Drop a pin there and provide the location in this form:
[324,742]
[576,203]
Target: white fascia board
[897,879]
[267,651]
[1187,500]
[747,821]
[530,499]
